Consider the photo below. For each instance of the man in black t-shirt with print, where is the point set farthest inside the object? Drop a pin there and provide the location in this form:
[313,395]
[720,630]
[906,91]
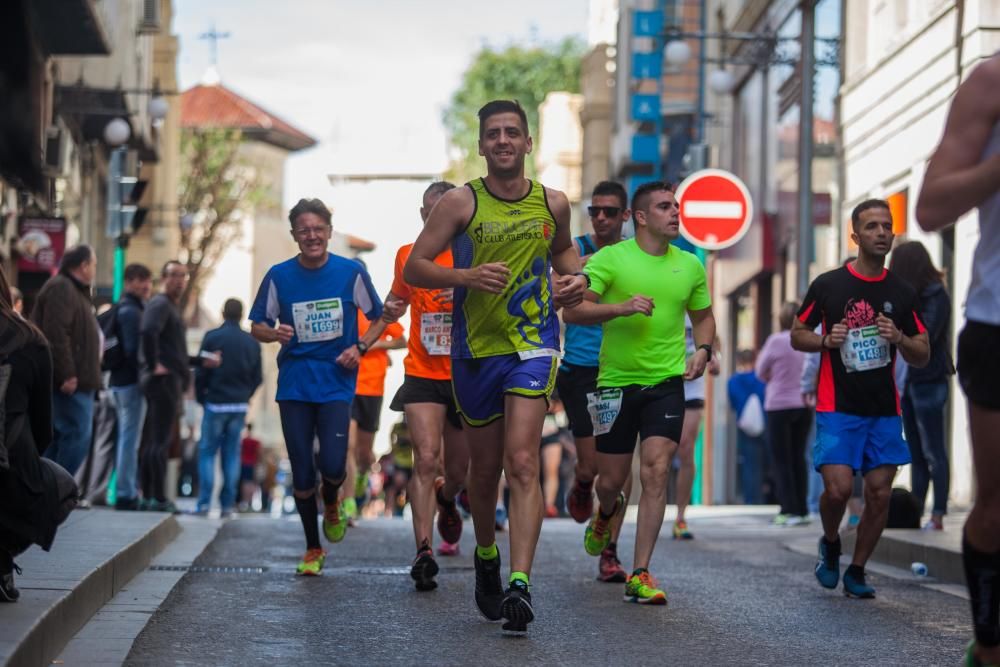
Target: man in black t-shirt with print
[867,314]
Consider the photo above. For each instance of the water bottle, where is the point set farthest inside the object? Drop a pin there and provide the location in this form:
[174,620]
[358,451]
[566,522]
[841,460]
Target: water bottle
[918,569]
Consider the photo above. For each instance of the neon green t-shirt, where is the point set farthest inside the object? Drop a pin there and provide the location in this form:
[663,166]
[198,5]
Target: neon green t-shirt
[638,349]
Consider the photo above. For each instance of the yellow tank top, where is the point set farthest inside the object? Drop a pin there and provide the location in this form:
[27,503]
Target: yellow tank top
[521,319]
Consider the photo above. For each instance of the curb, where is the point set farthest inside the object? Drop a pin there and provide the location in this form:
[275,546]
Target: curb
[61,621]
[901,548]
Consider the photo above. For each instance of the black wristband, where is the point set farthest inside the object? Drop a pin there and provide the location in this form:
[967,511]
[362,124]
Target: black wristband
[362,347]
[707,348]
[585,277]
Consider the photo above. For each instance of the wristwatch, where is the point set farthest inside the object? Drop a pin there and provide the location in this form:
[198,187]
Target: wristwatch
[362,347]
[707,348]
[585,277]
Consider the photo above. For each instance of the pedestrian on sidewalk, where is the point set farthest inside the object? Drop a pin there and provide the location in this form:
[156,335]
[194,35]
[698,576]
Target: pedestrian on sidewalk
[964,173]
[65,314]
[250,456]
[225,394]
[788,418]
[746,393]
[126,393]
[164,375]
[31,500]
[867,314]
[925,396]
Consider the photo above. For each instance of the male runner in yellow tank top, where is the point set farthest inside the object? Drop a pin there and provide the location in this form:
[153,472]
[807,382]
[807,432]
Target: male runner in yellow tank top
[507,234]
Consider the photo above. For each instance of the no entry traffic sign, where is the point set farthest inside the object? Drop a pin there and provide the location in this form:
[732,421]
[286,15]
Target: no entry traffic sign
[716,209]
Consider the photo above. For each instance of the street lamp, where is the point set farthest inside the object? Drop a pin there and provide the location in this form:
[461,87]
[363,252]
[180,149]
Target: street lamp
[158,107]
[117,132]
[677,52]
[721,81]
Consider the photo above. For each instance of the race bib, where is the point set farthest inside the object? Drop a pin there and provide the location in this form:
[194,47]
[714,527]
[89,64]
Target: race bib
[435,333]
[317,321]
[604,406]
[864,350]
[540,352]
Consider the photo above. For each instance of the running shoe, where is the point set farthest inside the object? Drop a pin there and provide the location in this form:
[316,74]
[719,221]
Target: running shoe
[448,549]
[311,564]
[489,589]
[334,524]
[610,569]
[681,531]
[780,520]
[349,508]
[856,586]
[516,608]
[361,485]
[551,512]
[641,589]
[598,534]
[501,518]
[581,501]
[828,567]
[972,661]
[449,521]
[424,569]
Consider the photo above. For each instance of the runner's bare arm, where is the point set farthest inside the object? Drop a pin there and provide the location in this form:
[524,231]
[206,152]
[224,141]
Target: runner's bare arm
[703,332]
[569,288]
[916,350]
[956,180]
[590,312]
[447,219]
[804,339]
[265,333]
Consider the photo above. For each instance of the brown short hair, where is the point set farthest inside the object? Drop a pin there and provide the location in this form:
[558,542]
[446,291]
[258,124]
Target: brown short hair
[315,206]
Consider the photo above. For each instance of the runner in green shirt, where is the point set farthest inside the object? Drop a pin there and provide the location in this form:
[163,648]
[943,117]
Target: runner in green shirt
[645,286]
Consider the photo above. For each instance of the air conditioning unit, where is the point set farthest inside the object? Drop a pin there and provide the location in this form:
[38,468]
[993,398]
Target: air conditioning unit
[149,22]
[58,151]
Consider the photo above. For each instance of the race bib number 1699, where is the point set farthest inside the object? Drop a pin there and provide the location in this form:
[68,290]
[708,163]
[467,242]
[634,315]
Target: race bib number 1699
[317,321]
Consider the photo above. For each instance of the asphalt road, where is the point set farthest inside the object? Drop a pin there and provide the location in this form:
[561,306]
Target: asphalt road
[738,596]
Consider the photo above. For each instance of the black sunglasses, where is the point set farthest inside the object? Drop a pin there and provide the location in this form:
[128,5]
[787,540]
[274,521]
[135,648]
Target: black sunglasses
[609,211]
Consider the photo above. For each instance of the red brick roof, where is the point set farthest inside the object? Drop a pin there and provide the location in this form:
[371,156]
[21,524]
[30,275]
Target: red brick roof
[359,244]
[215,106]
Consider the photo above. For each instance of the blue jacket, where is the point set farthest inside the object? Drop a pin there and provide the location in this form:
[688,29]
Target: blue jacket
[128,319]
[238,377]
[741,386]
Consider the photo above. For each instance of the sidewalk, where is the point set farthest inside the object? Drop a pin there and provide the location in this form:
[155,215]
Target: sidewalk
[940,551]
[95,553]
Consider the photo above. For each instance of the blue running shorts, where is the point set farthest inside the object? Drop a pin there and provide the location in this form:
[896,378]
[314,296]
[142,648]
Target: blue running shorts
[480,385]
[864,443]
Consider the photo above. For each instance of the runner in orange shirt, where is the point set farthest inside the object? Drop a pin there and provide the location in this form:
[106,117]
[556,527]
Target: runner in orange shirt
[365,411]
[427,400]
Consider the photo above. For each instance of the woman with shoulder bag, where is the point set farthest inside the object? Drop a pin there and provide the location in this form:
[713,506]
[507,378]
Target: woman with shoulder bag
[927,389]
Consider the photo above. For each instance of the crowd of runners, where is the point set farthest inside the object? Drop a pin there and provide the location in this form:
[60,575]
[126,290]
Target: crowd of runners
[505,306]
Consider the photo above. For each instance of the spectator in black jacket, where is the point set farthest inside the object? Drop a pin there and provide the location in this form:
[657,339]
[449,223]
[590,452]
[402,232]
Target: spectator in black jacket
[164,375]
[225,394]
[926,390]
[129,402]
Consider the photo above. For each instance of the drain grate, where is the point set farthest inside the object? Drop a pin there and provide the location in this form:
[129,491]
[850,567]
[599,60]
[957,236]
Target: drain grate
[199,569]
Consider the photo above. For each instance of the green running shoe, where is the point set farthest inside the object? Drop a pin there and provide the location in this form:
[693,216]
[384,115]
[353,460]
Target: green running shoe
[311,564]
[334,523]
[361,485]
[349,508]
[971,660]
[641,589]
[598,534]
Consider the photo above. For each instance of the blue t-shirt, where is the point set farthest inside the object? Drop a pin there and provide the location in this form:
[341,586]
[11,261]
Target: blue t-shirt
[582,344]
[322,306]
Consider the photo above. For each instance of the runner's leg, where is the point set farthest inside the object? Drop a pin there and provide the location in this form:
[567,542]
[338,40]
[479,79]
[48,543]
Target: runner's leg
[522,433]
[878,489]
[456,460]
[685,453]
[655,455]
[838,483]
[424,420]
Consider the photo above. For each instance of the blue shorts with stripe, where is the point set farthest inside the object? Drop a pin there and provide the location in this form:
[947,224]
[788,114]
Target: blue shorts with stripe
[481,385]
[864,443]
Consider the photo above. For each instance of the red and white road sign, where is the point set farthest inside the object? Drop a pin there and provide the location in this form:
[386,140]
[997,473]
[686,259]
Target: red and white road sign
[716,209]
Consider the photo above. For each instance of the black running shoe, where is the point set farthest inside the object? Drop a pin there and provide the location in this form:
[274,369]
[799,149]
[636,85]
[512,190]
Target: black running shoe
[516,608]
[489,589]
[424,569]
[8,593]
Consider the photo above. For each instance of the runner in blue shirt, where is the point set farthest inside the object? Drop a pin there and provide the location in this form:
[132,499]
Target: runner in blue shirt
[309,304]
[577,376]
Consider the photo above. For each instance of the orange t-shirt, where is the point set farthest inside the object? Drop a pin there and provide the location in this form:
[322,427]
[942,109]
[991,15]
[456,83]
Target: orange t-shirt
[427,356]
[373,366]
